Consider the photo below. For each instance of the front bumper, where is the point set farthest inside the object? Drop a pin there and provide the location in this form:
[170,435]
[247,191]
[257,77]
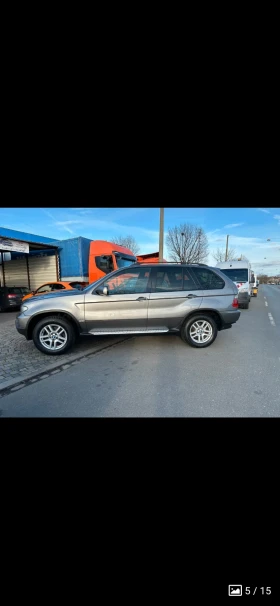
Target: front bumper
[21,322]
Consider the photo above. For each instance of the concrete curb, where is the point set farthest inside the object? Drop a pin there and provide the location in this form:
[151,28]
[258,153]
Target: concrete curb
[15,384]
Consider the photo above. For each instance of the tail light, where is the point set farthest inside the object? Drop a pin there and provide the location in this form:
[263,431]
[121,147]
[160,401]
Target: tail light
[12,296]
[235,302]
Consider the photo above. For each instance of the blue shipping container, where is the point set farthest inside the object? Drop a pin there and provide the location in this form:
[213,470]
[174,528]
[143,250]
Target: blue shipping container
[73,258]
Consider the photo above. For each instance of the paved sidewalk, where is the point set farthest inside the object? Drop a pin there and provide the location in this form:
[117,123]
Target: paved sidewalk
[20,358]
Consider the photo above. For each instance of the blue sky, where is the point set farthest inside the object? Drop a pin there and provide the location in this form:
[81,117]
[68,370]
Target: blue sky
[248,228]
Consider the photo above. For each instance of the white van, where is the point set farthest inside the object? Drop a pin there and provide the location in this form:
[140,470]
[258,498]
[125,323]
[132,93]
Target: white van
[241,274]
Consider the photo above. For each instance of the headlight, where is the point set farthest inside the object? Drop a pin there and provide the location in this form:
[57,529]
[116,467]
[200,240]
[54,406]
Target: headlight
[24,308]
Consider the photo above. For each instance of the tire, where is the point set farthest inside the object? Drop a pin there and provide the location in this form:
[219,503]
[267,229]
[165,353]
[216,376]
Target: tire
[195,323]
[53,325]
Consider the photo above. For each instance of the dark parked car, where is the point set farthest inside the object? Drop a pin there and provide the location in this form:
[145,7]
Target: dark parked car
[11,296]
[194,301]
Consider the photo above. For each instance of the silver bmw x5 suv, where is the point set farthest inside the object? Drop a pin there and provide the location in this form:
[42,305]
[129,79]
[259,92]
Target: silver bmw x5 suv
[195,301]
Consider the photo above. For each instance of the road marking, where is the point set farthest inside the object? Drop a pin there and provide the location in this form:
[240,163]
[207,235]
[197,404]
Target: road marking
[271,319]
[266,303]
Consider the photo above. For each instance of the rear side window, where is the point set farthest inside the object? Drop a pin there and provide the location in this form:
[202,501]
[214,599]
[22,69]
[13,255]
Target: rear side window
[207,279]
[57,287]
[14,291]
[188,280]
[167,280]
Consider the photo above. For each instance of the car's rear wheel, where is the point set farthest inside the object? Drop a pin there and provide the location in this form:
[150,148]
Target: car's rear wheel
[53,335]
[199,331]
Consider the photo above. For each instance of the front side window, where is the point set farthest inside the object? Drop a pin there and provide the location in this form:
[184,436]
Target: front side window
[130,281]
[45,288]
[104,263]
[236,275]
[207,279]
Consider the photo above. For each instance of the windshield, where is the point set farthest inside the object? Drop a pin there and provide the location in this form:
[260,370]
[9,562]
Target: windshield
[236,275]
[124,261]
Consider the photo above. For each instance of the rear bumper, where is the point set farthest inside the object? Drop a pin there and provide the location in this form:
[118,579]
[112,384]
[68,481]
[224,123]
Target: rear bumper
[228,318]
[243,297]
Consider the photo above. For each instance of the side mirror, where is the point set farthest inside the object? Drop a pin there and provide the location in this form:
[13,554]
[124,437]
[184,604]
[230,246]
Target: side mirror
[102,291]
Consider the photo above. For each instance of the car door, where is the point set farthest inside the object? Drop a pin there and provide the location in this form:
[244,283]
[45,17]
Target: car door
[217,292]
[124,308]
[174,294]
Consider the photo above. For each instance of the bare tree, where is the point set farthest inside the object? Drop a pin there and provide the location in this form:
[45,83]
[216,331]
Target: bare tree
[187,243]
[241,258]
[128,242]
[263,278]
[220,255]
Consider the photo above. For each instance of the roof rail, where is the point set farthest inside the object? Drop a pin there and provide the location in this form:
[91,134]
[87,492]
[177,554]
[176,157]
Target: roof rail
[171,263]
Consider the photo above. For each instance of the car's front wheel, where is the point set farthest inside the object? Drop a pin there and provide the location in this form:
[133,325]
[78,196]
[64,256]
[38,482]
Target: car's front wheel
[199,331]
[53,335]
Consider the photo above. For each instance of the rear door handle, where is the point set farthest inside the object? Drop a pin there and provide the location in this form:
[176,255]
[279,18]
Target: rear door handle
[191,296]
[141,299]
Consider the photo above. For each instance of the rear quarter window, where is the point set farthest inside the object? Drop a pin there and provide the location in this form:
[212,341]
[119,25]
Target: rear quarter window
[208,279]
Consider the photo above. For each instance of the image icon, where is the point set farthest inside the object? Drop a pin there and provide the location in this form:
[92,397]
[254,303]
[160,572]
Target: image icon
[235,590]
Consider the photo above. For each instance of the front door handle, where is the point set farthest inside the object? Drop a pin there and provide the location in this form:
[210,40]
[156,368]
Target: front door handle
[191,296]
[141,299]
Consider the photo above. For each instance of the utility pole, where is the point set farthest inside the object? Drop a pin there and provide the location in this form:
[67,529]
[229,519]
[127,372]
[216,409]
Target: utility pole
[182,248]
[161,232]
[227,249]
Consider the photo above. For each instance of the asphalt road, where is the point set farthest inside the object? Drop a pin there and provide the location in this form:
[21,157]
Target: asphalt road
[272,294]
[8,315]
[160,376]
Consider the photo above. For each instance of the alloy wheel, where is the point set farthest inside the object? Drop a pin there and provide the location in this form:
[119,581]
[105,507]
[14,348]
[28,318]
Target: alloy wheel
[53,337]
[201,331]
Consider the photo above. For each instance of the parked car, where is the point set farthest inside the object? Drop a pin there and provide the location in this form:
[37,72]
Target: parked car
[55,286]
[194,301]
[11,297]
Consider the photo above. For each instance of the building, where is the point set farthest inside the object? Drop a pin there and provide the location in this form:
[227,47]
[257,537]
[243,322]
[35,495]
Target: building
[27,259]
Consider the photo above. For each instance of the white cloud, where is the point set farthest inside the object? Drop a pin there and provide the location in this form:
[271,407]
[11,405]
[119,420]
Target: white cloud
[48,213]
[277,217]
[264,210]
[71,222]
[233,225]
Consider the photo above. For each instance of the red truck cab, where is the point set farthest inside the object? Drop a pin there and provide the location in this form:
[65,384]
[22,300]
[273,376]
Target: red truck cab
[149,258]
[105,257]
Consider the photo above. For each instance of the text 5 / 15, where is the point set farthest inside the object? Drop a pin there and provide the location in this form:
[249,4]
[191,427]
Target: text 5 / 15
[259,590]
